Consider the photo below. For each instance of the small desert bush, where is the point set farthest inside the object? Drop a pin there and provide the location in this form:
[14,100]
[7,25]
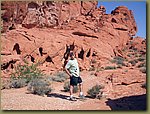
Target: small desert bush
[136,55]
[143,69]
[118,60]
[134,49]
[67,87]
[92,69]
[39,86]
[5,84]
[99,69]
[18,83]
[129,55]
[143,64]
[119,66]
[141,55]
[110,67]
[131,50]
[27,72]
[125,70]
[95,92]
[124,49]
[141,59]
[133,62]
[61,76]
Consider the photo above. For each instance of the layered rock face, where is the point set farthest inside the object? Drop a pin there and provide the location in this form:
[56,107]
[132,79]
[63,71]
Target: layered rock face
[46,31]
[124,16]
[52,14]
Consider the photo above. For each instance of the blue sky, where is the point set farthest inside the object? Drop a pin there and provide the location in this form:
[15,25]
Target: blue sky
[139,12]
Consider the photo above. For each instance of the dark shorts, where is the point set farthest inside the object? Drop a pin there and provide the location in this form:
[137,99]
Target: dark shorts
[74,81]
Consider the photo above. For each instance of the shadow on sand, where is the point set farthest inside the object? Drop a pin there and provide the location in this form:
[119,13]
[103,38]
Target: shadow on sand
[135,103]
[57,95]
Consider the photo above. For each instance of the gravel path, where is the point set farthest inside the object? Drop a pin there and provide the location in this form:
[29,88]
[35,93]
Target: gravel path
[20,99]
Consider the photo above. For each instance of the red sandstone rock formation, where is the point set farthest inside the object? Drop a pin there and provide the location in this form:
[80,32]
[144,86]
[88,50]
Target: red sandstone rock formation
[49,30]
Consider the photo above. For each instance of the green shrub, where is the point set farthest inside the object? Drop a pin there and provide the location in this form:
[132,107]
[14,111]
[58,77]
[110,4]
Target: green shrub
[99,69]
[133,62]
[125,70]
[131,50]
[39,86]
[119,66]
[60,77]
[26,72]
[143,69]
[134,49]
[67,87]
[110,67]
[118,60]
[141,59]
[124,49]
[18,83]
[95,92]
[92,69]
[129,55]
[5,84]
[141,55]
[120,63]
[142,65]
[136,55]
[113,61]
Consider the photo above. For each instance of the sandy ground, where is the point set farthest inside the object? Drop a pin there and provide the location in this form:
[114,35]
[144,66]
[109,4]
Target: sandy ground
[20,99]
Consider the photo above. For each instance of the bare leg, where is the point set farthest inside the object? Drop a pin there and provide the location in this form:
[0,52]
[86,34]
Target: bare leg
[81,95]
[71,90]
[80,87]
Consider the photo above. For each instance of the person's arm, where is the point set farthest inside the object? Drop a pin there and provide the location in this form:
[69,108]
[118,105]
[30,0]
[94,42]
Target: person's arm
[67,66]
[67,71]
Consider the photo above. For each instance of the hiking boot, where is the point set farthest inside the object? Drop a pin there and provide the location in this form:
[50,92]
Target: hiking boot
[72,98]
[82,97]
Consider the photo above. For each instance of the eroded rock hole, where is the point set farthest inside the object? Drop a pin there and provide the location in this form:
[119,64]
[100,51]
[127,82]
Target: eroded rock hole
[84,34]
[131,47]
[17,48]
[12,27]
[66,54]
[32,59]
[72,47]
[11,66]
[113,20]
[68,49]
[81,54]
[89,53]
[49,59]
[125,14]
[135,28]
[6,65]
[50,3]
[41,51]
[94,54]
[33,5]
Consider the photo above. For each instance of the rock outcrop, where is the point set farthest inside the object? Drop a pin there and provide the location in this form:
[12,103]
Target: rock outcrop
[45,32]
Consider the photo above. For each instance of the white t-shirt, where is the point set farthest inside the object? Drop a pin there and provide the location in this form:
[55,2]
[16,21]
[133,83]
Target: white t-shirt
[72,66]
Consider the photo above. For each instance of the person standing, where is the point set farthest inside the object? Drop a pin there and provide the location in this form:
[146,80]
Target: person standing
[72,69]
